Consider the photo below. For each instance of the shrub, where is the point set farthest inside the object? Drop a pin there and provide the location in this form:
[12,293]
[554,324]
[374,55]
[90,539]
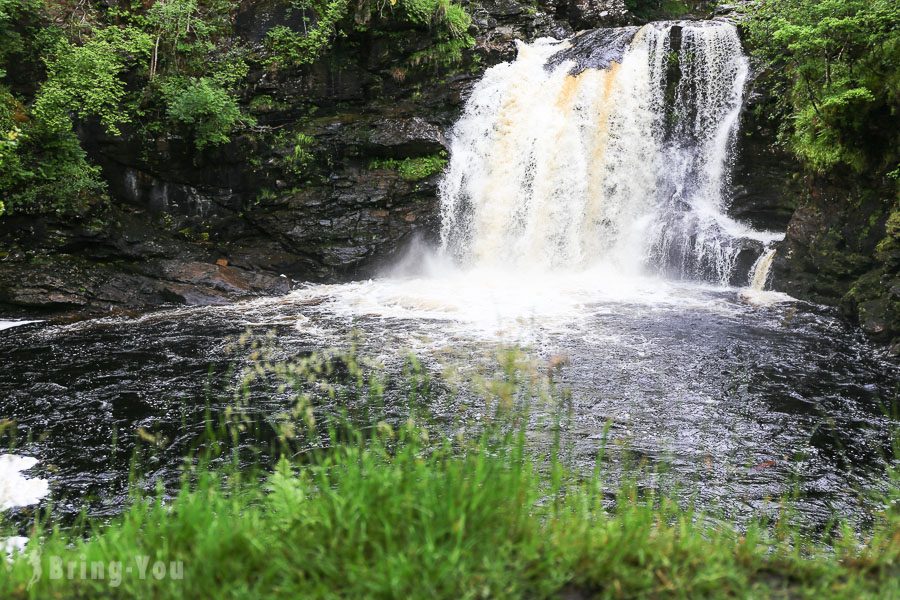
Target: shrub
[208,111]
[289,47]
[42,169]
[86,80]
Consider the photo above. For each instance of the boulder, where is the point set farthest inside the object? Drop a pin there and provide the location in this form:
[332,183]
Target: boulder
[587,14]
[402,138]
[595,49]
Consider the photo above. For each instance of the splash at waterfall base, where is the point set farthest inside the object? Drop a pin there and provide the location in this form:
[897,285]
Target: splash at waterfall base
[587,171]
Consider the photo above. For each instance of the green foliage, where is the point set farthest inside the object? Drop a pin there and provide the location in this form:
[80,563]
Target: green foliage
[442,15]
[413,169]
[300,158]
[289,47]
[181,69]
[162,66]
[208,111]
[12,14]
[42,169]
[648,10]
[442,54]
[189,35]
[839,62]
[42,166]
[86,80]
[448,23]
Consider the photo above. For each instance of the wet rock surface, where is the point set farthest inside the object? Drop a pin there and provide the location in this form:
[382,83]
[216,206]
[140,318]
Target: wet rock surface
[843,247]
[764,182]
[115,262]
[400,138]
[595,49]
[586,14]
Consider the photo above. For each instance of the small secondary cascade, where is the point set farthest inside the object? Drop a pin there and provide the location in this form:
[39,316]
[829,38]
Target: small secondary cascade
[759,273]
[612,147]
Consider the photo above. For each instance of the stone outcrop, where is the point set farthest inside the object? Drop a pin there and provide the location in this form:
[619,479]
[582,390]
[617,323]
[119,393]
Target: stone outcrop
[588,14]
[843,247]
[115,261]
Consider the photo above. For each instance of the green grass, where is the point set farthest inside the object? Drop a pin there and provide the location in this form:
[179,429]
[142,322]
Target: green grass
[403,511]
[413,169]
[388,519]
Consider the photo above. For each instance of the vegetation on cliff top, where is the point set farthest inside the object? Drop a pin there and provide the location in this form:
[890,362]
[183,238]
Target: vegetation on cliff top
[170,66]
[838,61]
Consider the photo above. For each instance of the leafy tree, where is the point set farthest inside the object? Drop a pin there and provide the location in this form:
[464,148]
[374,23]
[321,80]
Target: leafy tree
[838,60]
[87,80]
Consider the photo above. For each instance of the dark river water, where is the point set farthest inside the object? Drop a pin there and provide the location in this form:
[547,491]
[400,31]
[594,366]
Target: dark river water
[744,398]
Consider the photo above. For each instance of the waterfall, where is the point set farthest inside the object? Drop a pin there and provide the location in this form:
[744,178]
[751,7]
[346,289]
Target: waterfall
[611,148]
[759,273]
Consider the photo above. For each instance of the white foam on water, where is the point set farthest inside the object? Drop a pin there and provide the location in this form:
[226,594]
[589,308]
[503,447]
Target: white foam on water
[10,324]
[495,303]
[13,544]
[16,489]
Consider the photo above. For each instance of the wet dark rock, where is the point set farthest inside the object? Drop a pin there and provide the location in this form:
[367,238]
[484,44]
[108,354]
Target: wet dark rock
[116,260]
[586,14]
[750,251]
[401,138]
[503,8]
[258,17]
[764,184]
[840,250]
[595,49]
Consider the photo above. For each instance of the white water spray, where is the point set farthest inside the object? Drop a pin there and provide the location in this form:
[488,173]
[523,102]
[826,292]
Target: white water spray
[553,166]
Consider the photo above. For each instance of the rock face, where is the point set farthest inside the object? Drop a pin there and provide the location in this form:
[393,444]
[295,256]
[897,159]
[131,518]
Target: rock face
[114,261]
[587,14]
[764,184]
[843,247]
[596,49]
[400,138]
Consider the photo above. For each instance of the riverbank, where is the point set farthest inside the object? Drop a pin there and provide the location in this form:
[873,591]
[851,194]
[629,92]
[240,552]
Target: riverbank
[396,518]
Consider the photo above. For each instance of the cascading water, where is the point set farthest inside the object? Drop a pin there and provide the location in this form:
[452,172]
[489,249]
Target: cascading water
[759,273]
[562,160]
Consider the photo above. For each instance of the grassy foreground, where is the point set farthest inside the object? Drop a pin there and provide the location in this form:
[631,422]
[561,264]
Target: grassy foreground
[365,521]
[400,511]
